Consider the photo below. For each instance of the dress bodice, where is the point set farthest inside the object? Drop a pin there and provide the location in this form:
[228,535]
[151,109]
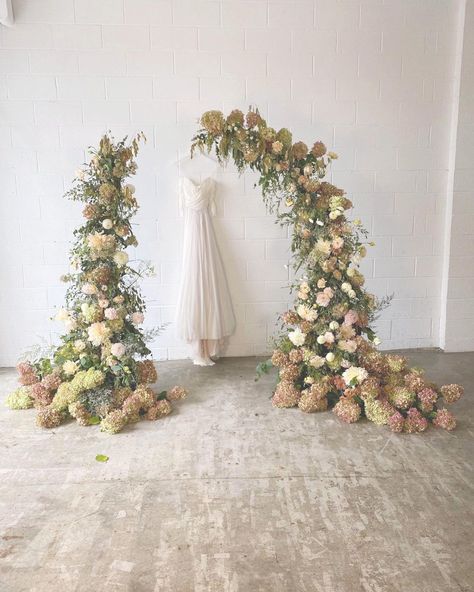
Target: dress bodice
[197,196]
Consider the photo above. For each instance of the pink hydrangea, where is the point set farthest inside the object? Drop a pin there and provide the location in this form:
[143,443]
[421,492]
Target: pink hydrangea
[396,421]
[452,392]
[444,419]
[427,397]
[138,318]
[415,422]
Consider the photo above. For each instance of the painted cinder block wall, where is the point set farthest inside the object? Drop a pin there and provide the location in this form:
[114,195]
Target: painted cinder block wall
[376,81]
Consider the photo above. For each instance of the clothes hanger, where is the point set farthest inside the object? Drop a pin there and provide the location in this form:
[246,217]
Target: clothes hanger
[188,157]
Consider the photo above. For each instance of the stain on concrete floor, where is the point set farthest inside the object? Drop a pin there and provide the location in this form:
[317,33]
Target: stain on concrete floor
[231,495]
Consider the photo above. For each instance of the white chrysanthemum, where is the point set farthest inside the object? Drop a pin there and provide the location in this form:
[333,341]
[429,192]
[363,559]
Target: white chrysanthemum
[297,337]
[98,333]
[354,375]
[323,247]
[120,258]
[70,367]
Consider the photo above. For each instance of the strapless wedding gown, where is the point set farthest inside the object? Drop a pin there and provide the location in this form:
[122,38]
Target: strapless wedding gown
[205,315]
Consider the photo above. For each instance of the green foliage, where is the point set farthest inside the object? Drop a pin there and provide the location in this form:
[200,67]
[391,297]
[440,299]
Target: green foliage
[103,458]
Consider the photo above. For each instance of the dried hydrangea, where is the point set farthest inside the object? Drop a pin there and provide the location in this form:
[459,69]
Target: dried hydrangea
[99,401]
[370,388]
[401,397]
[286,395]
[396,422]
[289,373]
[295,356]
[176,393]
[132,406]
[213,122]
[20,398]
[147,372]
[146,397]
[395,363]
[414,422]
[318,149]
[451,393]
[414,381]
[41,395]
[378,411]
[309,403]
[49,417]
[252,119]
[235,117]
[299,150]
[427,398]
[444,419]
[159,409]
[121,394]
[279,359]
[27,374]
[114,422]
[347,410]
[80,413]
[52,381]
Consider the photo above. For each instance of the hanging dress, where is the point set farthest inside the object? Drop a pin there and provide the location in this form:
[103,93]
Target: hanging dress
[204,314]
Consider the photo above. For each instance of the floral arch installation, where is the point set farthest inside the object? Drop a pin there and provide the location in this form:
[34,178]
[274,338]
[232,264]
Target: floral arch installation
[325,352]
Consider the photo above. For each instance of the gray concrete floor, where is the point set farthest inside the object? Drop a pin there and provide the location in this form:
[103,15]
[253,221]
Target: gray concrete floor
[231,495]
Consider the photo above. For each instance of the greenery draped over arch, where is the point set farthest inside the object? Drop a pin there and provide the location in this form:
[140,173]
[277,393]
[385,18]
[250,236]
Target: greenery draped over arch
[326,351]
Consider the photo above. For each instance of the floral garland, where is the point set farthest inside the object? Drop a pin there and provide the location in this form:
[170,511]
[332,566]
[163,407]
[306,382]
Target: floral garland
[326,354]
[98,374]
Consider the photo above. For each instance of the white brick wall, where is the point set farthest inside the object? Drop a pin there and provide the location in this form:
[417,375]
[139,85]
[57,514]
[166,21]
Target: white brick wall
[459,283]
[374,80]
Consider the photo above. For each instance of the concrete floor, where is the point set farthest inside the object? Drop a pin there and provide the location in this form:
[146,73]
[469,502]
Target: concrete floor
[231,495]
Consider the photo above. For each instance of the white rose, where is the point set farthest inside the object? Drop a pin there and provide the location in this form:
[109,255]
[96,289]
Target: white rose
[354,375]
[120,258]
[345,287]
[321,339]
[330,357]
[333,325]
[297,337]
[351,294]
[107,224]
[117,350]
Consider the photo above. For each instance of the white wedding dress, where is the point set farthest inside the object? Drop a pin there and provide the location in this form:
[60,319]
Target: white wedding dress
[204,314]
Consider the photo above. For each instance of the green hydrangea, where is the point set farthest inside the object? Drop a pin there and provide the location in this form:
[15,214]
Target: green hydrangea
[92,379]
[19,399]
[378,411]
[113,422]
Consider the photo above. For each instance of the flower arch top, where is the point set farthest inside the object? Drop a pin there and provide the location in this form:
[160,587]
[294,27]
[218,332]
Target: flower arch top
[325,353]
